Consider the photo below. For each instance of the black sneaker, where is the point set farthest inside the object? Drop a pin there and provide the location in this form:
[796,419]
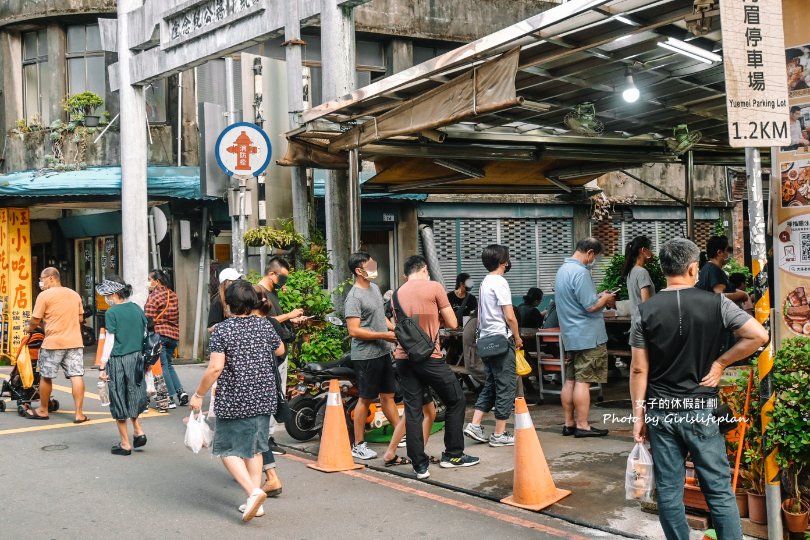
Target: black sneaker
[276,449]
[463,460]
[182,397]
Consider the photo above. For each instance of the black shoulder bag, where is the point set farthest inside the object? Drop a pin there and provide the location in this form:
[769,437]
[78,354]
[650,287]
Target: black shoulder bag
[410,335]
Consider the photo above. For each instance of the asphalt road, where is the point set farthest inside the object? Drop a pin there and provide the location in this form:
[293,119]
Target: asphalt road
[59,481]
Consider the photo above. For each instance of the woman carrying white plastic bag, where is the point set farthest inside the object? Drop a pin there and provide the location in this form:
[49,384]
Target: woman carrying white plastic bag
[198,434]
[242,364]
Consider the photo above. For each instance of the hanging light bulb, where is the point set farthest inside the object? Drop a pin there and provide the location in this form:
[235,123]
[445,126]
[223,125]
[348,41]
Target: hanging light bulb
[630,93]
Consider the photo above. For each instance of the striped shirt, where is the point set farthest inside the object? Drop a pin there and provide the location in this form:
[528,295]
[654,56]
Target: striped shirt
[163,308]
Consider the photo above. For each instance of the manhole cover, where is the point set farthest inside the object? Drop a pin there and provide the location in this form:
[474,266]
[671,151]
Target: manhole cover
[55,447]
[615,404]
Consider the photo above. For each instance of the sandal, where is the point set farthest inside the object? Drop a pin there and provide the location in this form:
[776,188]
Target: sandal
[139,440]
[31,414]
[433,460]
[81,420]
[397,460]
[118,451]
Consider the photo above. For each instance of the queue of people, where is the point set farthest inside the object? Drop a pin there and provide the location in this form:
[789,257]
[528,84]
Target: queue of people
[677,353]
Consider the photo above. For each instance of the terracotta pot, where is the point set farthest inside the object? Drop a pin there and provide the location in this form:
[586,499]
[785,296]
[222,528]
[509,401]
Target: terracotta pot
[742,503]
[795,522]
[756,508]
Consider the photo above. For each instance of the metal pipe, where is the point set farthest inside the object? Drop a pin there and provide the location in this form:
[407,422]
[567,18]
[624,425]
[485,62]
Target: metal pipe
[655,188]
[100,135]
[200,281]
[236,222]
[258,118]
[763,313]
[180,119]
[429,243]
[354,199]
[690,196]
[153,241]
[240,256]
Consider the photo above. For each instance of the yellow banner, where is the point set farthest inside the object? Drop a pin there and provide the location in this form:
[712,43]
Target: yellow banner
[19,273]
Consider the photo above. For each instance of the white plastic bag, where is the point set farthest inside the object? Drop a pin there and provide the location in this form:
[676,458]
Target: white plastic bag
[150,384]
[639,481]
[198,434]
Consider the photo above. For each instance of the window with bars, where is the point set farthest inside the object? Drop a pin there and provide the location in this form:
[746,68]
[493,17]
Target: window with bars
[537,248]
[34,66]
[85,60]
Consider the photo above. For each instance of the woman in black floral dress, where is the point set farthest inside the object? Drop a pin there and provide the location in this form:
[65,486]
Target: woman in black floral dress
[242,356]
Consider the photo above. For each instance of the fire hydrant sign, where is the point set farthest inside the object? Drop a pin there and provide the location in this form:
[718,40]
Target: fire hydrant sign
[754,62]
[243,149]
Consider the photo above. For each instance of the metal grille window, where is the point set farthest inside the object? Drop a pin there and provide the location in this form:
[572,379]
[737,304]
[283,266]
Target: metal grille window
[537,248]
[34,64]
[85,60]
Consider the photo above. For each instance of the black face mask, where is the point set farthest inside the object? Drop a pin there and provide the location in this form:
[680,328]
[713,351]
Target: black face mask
[282,280]
[508,267]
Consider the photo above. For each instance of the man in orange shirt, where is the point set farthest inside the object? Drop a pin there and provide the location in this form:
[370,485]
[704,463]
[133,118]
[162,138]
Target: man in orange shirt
[61,311]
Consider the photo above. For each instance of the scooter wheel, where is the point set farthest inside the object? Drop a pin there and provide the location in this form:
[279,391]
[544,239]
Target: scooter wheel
[301,424]
[21,410]
[53,405]
[2,405]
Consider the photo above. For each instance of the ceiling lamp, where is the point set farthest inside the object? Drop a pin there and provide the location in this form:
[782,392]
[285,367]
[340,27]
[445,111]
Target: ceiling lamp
[630,92]
[686,49]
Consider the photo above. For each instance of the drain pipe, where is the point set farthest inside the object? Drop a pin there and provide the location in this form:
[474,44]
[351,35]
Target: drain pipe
[429,243]
[200,282]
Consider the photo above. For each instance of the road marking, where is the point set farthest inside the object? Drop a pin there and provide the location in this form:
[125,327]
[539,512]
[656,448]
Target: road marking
[506,518]
[65,389]
[70,424]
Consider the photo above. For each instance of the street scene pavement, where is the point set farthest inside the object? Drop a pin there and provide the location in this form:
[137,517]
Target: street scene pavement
[61,482]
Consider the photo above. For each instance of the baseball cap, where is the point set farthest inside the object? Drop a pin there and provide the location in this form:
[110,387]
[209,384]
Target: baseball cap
[229,274]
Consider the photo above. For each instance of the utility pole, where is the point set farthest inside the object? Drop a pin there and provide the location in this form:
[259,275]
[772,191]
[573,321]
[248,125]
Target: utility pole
[295,101]
[238,222]
[134,211]
[338,61]
[261,182]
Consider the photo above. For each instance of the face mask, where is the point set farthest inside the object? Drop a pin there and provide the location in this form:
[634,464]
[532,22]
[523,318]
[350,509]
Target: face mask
[371,276]
[468,284]
[508,267]
[41,286]
[109,300]
[281,281]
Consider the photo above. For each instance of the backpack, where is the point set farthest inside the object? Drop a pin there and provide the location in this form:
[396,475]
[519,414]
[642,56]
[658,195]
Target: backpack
[152,346]
[410,335]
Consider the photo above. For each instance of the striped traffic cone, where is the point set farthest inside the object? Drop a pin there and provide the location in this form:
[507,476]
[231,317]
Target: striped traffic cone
[533,487]
[335,453]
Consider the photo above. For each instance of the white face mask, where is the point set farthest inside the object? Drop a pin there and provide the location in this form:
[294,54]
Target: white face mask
[468,284]
[41,286]
[371,276]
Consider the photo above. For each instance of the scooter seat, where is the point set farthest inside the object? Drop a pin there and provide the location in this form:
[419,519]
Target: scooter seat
[337,372]
[318,367]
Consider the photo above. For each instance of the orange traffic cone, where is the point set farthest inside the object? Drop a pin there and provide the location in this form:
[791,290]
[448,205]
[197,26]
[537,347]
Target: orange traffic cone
[102,337]
[533,486]
[335,454]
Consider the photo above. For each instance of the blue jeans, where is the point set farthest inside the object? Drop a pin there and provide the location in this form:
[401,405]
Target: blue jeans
[672,434]
[500,386]
[166,358]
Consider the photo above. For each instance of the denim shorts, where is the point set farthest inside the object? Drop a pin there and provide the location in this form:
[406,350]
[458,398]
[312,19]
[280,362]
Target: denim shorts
[70,360]
[241,437]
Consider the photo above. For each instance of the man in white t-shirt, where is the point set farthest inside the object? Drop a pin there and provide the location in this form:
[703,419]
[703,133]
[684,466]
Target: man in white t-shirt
[496,316]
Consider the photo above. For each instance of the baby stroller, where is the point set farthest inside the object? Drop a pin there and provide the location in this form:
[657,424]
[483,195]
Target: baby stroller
[13,387]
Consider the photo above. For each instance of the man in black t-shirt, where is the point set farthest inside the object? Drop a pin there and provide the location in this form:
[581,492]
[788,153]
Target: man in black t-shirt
[461,299]
[674,375]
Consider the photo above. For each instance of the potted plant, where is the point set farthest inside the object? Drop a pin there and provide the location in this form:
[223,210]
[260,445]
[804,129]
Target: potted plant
[282,237]
[787,430]
[81,106]
[754,460]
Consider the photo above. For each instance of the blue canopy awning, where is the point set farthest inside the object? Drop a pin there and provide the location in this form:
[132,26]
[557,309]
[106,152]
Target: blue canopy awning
[162,183]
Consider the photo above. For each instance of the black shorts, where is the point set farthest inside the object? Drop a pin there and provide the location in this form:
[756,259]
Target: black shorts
[375,376]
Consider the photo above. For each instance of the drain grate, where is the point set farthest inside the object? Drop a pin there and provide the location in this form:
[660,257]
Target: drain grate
[54,447]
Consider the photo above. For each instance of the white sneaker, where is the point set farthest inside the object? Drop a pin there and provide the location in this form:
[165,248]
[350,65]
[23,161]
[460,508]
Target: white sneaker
[362,451]
[172,405]
[260,512]
[504,439]
[403,443]
[253,504]
[475,433]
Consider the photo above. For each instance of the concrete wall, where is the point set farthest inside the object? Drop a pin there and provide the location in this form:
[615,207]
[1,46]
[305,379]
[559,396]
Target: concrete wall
[29,151]
[709,186]
[12,11]
[446,20]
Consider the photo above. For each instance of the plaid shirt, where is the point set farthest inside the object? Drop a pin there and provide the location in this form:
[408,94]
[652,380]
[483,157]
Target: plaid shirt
[162,307]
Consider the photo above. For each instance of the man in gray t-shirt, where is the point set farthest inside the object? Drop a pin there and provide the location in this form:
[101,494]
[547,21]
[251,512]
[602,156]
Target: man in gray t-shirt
[372,338]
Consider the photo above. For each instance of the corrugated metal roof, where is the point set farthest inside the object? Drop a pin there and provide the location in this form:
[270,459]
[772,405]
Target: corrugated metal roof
[162,183]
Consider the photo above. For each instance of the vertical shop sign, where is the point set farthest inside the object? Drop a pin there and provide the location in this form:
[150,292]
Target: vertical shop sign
[753,53]
[4,306]
[19,273]
[790,180]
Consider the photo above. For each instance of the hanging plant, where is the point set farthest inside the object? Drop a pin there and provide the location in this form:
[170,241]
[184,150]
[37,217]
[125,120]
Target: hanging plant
[284,236]
[603,207]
